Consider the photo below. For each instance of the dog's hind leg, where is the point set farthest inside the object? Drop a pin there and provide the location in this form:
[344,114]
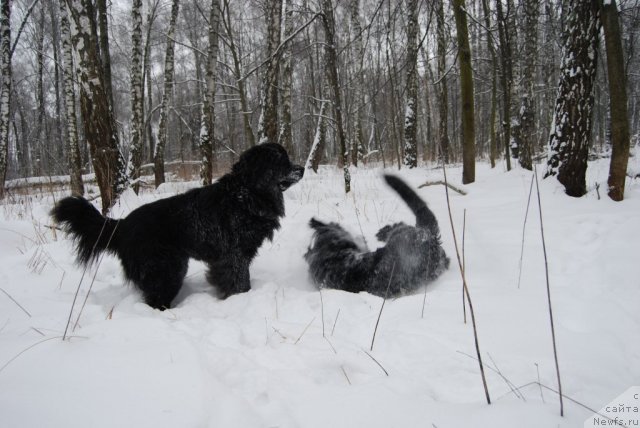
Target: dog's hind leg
[159,280]
[230,275]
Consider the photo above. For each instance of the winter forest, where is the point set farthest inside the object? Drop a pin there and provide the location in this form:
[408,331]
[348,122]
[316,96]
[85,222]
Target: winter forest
[513,127]
[127,90]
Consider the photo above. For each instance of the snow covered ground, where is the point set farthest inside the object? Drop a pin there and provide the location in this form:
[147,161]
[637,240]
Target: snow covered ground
[284,355]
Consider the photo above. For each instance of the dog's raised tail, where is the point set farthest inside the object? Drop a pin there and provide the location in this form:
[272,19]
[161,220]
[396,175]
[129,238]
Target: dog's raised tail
[91,232]
[424,217]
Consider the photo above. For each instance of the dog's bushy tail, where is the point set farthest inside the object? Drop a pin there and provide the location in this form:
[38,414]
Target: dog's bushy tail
[424,216]
[91,232]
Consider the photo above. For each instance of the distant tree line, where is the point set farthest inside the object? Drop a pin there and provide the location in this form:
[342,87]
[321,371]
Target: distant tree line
[121,89]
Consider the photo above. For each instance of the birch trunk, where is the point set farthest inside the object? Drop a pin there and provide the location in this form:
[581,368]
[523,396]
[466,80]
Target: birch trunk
[268,122]
[99,125]
[411,102]
[285,138]
[158,157]
[137,101]
[5,89]
[207,131]
[571,128]
[357,145]
[75,161]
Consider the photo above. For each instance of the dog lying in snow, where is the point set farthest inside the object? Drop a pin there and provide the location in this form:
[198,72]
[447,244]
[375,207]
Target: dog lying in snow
[222,224]
[411,257]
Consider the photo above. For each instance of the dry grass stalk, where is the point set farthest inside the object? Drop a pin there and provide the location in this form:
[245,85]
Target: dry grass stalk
[466,289]
[546,271]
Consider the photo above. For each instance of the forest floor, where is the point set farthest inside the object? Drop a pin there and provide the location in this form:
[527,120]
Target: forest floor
[284,355]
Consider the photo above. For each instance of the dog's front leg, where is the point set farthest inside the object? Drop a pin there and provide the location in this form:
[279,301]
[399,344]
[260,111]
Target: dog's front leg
[230,275]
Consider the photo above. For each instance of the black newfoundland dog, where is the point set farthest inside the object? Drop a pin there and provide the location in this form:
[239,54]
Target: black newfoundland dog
[412,255]
[222,224]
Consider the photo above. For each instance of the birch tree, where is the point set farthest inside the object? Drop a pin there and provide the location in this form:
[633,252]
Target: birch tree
[411,93]
[167,91]
[97,115]
[571,128]
[137,101]
[285,136]
[74,159]
[357,141]
[268,122]
[207,131]
[5,89]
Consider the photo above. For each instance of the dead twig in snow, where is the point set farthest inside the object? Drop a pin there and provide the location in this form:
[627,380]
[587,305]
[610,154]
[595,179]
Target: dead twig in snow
[444,183]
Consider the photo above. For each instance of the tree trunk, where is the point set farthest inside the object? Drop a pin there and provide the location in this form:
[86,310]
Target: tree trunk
[137,102]
[443,96]
[158,158]
[493,150]
[466,94]
[411,102]
[571,127]
[617,101]
[268,122]
[207,131]
[527,131]
[105,54]
[242,92]
[506,79]
[75,161]
[99,125]
[357,144]
[5,89]
[285,137]
[331,64]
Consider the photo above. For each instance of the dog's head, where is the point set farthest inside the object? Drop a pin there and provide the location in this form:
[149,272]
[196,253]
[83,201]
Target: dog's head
[267,166]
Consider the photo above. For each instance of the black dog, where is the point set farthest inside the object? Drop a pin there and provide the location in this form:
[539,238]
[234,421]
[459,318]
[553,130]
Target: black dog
[412,255]
[222,224]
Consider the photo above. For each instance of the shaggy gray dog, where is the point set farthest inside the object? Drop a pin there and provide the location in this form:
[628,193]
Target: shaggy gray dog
[412,256]
[222,224]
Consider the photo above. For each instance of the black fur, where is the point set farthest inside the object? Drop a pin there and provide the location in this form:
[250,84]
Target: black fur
[412,255]
[222,224]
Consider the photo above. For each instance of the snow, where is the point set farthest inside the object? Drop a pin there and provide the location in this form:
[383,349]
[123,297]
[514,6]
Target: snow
[260,359]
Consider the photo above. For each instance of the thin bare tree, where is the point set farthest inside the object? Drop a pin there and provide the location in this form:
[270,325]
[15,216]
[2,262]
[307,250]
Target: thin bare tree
[167,91]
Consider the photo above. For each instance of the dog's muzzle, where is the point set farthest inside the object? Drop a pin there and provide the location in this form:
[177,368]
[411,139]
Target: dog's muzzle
[292,178]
